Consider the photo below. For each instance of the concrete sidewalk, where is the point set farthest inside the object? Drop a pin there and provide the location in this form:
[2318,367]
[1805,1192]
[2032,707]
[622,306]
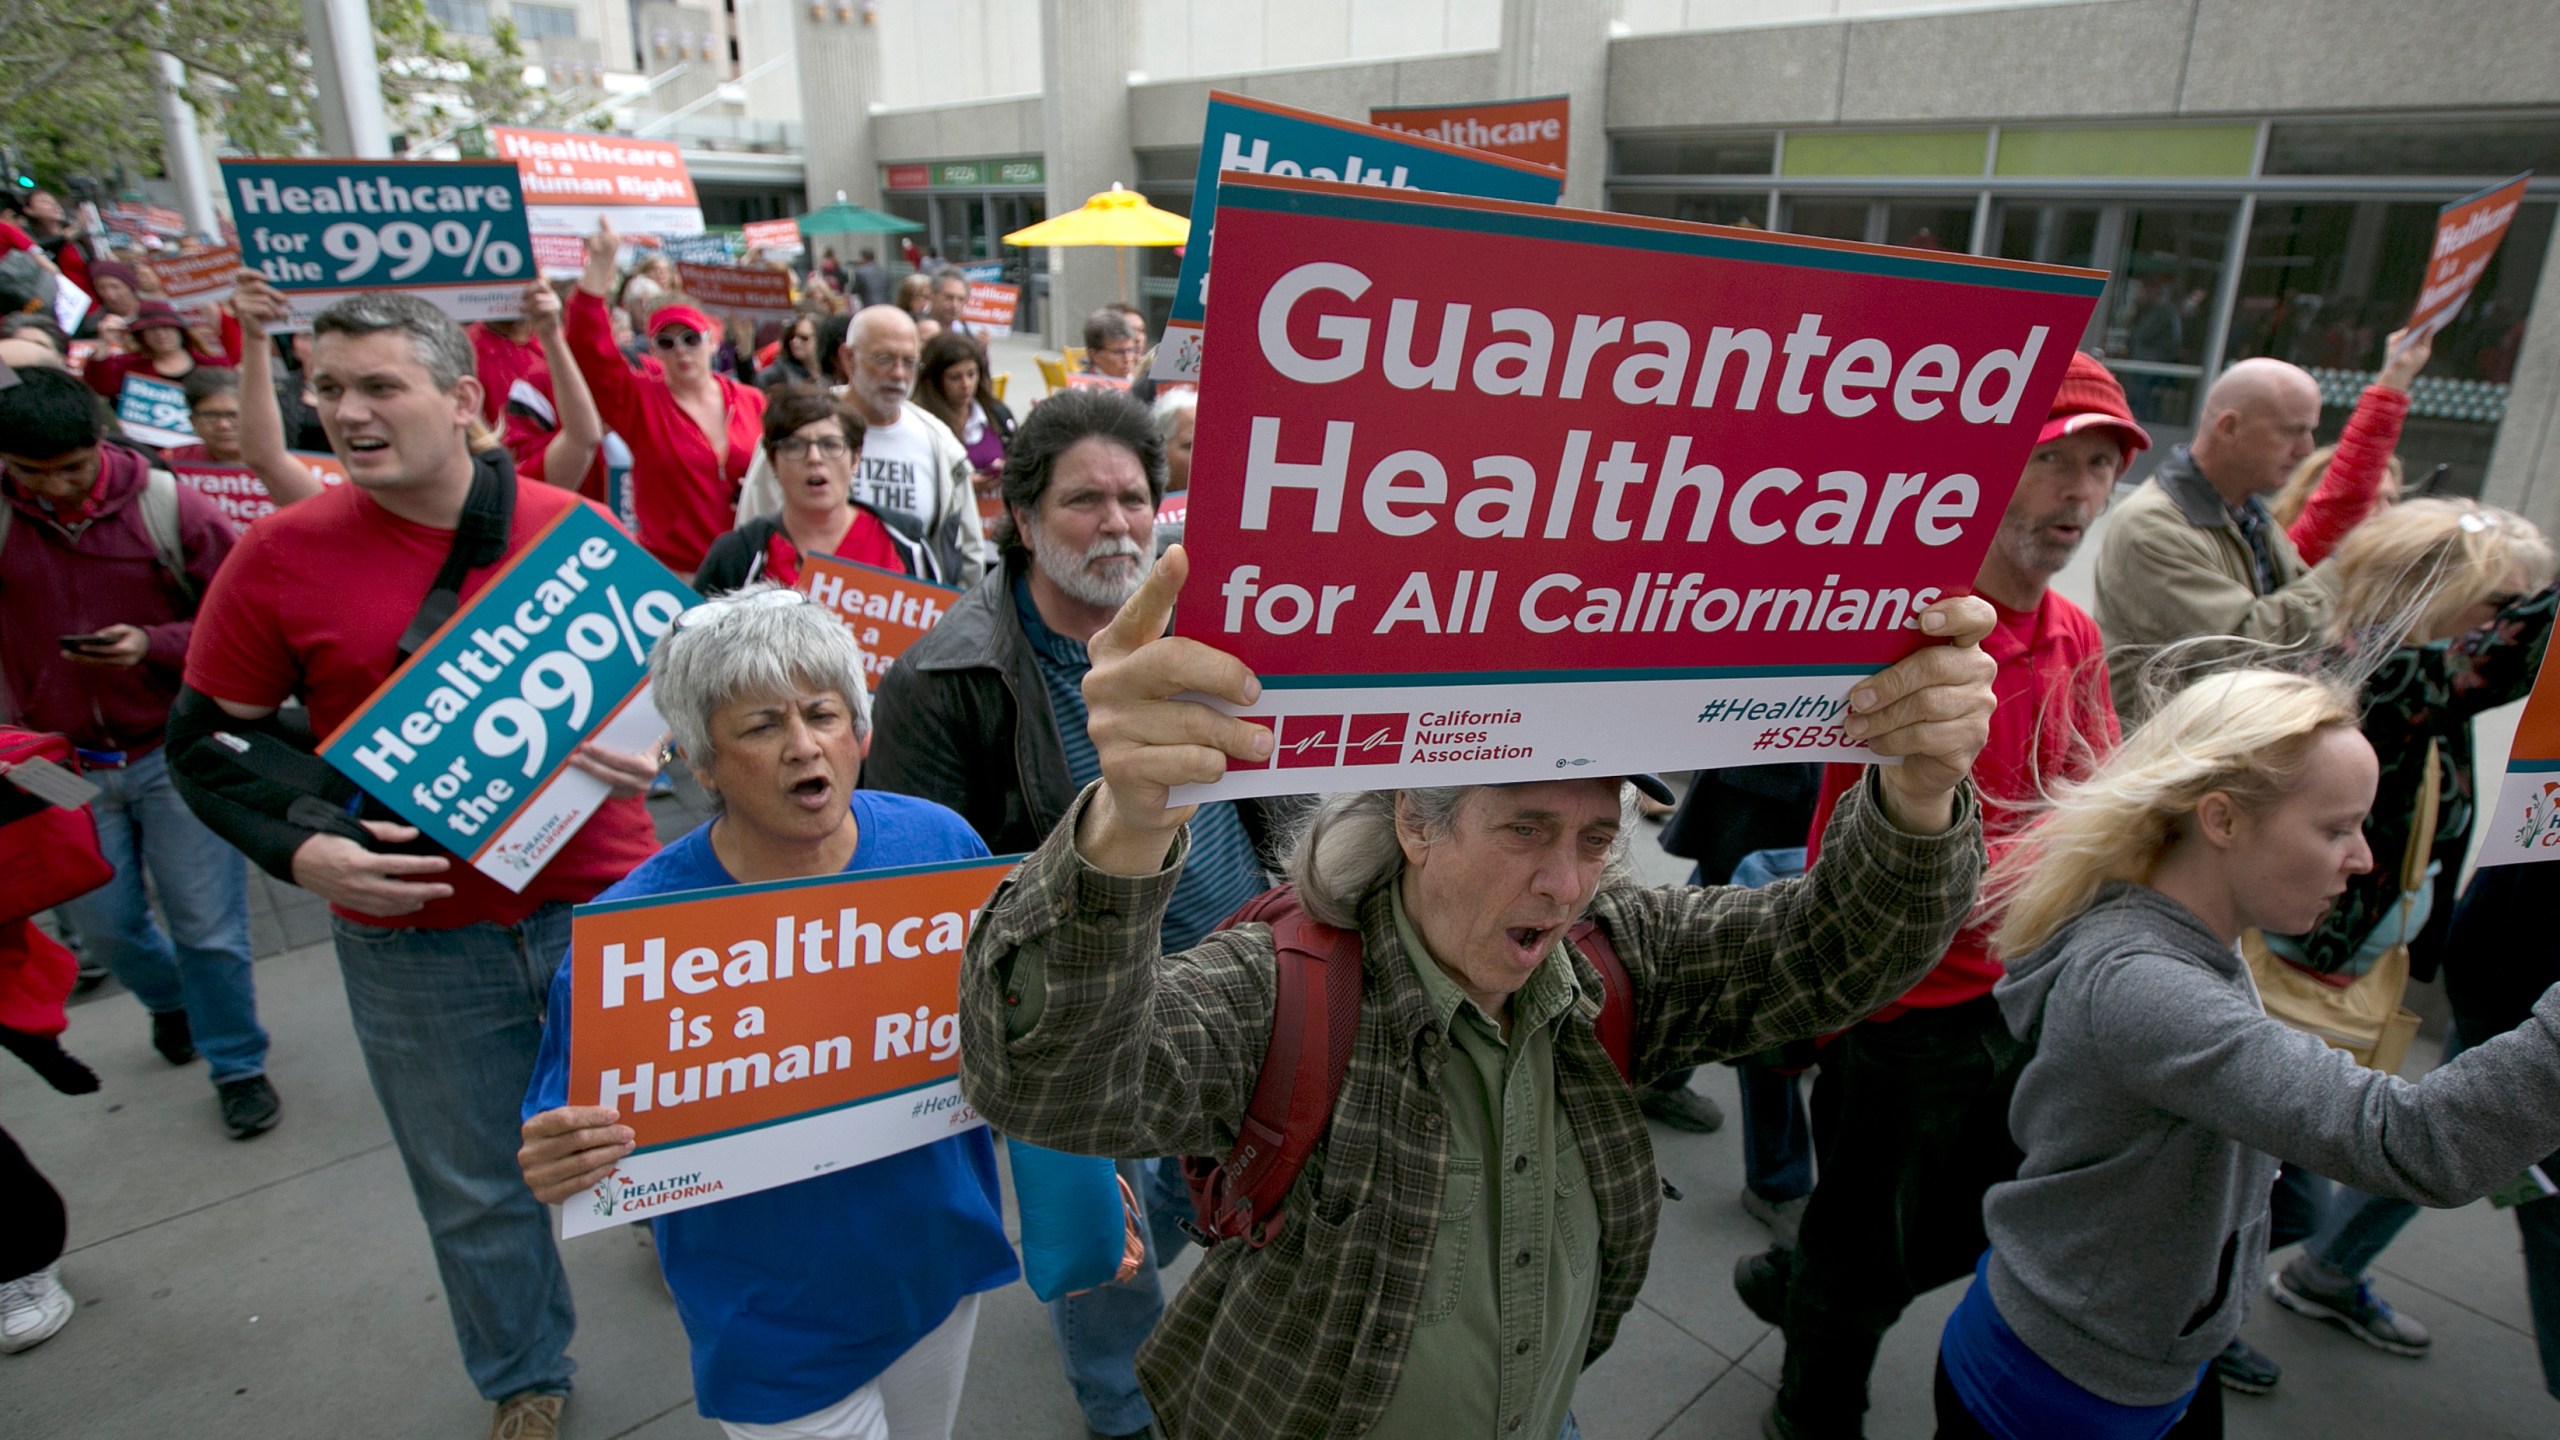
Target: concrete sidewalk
[283,1287]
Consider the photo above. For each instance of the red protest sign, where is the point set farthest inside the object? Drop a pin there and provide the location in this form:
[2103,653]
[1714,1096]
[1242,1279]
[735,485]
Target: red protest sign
[751,290]
[573,179]
[198,278]
[237,491]
[991,304]
[2467,234]
[755,1035]
[887,611]
[559,255]
[1532,130]
[1683,476]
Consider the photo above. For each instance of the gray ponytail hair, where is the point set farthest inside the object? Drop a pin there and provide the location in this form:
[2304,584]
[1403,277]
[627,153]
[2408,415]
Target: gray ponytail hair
[1348,846]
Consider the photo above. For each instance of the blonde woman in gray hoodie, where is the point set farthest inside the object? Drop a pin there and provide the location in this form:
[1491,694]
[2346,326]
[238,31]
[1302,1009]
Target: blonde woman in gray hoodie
[2161,1098]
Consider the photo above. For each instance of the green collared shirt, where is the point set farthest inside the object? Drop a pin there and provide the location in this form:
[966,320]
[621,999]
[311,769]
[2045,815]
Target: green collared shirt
[1513,1283]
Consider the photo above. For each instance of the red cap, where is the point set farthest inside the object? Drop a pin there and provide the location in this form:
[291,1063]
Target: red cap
[696,321]
[154,313]
[2090,396]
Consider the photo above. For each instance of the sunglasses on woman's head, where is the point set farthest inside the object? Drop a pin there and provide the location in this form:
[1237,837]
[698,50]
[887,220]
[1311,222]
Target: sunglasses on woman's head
[761,600]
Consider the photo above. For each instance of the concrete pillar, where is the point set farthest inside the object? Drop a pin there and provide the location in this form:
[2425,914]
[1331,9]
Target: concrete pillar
[2524,469]
[1087,49]
[348,78]
[1561,47]
[839,65]
[181,148]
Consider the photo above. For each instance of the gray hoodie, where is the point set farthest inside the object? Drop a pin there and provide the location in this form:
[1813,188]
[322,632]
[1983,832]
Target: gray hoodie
[2153,1114]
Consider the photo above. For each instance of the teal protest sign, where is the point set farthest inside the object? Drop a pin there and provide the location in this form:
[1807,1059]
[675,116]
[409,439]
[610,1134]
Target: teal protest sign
[154,411]
[1257,137]
[470,740]
[452,232]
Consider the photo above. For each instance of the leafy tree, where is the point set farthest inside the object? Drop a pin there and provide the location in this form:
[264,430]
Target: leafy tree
[76,77]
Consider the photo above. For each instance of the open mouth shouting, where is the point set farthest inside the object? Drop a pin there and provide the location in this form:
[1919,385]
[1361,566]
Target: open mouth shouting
[814,794]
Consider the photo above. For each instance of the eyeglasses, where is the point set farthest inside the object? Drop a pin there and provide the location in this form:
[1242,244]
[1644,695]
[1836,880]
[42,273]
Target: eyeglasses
[670,338]
[885,360]
[829,447]
[710,610]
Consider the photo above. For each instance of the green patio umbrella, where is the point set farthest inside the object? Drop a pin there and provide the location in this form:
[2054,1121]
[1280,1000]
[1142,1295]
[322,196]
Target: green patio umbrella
[842,218]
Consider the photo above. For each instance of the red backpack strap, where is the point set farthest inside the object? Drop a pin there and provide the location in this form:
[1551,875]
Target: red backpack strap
[1315,1017]
[1616,1023]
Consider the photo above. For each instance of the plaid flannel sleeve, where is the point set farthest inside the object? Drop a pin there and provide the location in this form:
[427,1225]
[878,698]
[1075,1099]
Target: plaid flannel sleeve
[1723,971]
[1078,1034]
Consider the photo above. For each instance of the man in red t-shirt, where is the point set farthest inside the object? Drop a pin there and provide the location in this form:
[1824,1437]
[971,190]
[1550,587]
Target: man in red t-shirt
[445,969]
[1911,1108]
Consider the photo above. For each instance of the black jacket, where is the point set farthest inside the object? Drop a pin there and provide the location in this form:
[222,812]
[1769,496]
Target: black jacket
[963,719]
[737,558]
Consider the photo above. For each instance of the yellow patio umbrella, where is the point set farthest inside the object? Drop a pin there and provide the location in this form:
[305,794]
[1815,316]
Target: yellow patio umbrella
[1117,217]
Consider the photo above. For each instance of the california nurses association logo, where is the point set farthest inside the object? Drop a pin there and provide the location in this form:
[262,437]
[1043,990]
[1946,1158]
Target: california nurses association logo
[1305,742]
[2541,817]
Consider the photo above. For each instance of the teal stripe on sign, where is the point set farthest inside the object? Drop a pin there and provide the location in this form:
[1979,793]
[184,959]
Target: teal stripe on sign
[787,1119]
[1558,677]
[2538,767]
[1388,211]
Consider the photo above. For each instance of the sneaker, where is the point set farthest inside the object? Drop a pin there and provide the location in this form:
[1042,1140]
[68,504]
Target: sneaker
[32,1308]
[1682,1109]
[1783,1217]
[2243,1367]
[1761,1281]
[249,1106]
[528,1415]
[172,1037]
[2316,1292]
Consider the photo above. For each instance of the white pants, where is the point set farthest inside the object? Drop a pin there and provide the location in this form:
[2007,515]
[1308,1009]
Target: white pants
[917,1398]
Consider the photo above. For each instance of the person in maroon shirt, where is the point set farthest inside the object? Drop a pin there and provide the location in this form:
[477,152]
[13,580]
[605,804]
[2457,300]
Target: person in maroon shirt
[1912,1104]
[445,969]
[161,350]
[94,626]
[692,432]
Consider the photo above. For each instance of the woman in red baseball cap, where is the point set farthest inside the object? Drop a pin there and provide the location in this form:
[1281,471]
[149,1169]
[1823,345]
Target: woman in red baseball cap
[692,432]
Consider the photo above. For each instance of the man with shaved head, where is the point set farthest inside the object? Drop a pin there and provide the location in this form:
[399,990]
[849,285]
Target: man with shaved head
[2194,551]
[913,469]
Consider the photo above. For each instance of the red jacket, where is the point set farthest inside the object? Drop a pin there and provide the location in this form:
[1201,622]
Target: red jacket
[2052,718]
[682,495]
[56,581]
[2351,488]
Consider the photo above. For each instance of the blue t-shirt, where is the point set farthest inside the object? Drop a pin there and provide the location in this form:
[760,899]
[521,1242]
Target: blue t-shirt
[2015,1395]
[798,1296]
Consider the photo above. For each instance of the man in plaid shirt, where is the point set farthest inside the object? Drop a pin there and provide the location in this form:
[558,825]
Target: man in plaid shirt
[1479,1216]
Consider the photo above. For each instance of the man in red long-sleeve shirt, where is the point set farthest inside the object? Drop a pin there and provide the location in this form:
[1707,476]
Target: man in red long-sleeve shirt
[1911,1108]
[693,433]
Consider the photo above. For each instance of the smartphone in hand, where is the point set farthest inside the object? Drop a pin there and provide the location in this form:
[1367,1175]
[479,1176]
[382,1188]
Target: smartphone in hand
[82,644]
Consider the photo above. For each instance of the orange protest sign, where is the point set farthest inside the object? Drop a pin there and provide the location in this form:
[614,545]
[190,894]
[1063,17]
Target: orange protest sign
[2467,235]
[991,304]
[755,1035]
[2525,821]
[199,278]
[888,611]
[1531,130]
[753,290]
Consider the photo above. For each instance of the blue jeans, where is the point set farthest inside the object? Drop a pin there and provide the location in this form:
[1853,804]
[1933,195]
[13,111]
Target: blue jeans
[449,1021]
[1099,1331]
[1777,1139]
[201,965]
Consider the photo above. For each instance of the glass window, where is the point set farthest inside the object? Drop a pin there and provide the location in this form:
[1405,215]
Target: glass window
[1885,152]
[2323,284]
[1929,225]
[1181,165]
[1831,219]
[534,22]
[1749,211]
[1693,154]
[462,17]
[2416,147]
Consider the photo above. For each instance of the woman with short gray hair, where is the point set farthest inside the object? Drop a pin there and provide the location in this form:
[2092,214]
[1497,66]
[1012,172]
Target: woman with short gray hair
[842,1305]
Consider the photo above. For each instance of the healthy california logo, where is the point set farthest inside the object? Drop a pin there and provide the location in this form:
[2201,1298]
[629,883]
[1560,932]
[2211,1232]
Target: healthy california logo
[609,1190]
[2541,817]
